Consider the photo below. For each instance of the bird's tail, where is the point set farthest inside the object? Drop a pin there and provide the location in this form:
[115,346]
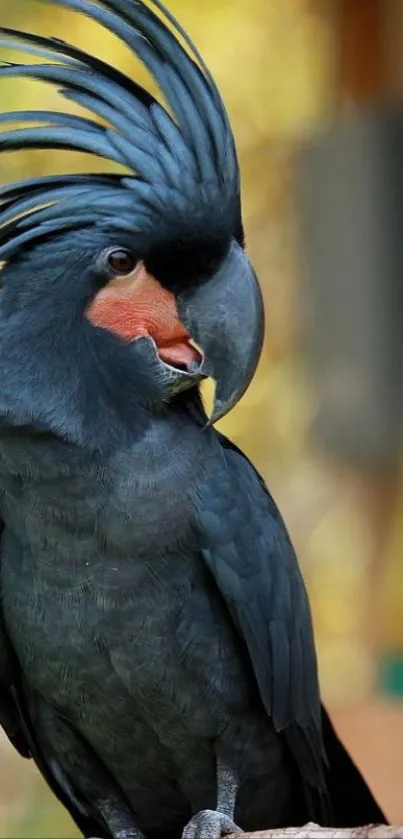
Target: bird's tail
[352,801]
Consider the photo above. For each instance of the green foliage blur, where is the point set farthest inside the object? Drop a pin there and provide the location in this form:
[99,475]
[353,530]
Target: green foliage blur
[273,62]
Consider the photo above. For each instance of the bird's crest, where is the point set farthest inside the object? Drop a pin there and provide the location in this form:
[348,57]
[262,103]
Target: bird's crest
[183,171]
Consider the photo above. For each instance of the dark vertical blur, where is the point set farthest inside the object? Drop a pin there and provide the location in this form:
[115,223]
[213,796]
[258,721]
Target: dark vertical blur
[351,191]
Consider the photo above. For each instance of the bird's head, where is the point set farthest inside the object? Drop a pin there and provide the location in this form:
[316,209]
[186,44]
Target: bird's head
[154,257]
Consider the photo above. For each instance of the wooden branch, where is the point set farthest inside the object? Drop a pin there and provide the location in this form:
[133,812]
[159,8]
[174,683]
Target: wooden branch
[313,831]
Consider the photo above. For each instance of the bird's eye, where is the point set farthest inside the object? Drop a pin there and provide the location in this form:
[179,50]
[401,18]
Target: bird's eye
[121,261]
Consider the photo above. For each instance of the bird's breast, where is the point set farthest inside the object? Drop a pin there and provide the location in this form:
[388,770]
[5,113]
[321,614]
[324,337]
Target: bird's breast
[71,507]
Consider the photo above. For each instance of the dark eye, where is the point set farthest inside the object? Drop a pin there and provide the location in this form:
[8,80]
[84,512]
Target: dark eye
[121,261]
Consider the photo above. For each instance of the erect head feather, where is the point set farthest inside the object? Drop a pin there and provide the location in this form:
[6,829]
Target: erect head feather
[183,175]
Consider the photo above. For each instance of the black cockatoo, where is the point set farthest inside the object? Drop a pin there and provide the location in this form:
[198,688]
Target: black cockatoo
[156,651]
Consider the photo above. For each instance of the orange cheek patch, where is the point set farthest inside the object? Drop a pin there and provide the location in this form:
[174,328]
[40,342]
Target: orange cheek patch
[138,306]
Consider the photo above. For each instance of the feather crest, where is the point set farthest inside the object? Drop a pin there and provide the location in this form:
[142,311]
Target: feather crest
[182,164]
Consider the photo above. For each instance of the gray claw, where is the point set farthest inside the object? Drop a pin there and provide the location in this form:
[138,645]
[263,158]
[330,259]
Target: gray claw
[209,824]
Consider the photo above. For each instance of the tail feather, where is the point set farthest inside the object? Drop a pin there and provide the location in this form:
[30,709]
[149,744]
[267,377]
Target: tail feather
[352,800]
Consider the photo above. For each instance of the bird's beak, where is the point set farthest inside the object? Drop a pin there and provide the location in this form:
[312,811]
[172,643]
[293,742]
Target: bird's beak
[225,317]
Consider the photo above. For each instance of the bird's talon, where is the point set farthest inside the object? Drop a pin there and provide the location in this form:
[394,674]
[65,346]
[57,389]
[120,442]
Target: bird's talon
[209,824]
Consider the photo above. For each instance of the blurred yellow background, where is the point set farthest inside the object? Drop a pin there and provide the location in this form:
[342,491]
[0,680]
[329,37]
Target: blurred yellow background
[275,65]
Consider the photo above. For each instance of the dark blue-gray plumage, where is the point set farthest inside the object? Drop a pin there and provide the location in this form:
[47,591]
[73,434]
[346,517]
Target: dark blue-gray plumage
[156,651]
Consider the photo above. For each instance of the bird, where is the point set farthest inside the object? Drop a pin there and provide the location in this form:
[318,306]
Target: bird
[157,656]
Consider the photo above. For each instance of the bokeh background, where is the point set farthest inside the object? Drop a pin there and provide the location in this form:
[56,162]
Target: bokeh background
[292,73]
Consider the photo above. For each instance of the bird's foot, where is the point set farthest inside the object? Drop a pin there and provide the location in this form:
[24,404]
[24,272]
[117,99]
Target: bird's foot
[209,824]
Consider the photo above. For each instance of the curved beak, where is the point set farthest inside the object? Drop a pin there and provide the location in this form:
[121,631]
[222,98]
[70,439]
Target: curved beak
[225,316]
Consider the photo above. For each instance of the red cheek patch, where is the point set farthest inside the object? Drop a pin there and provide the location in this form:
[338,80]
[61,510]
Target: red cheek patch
[137,306]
